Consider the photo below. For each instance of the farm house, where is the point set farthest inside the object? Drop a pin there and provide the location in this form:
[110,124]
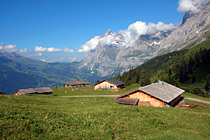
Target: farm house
[78,83]
[159,94]
[44,90]
[110,84]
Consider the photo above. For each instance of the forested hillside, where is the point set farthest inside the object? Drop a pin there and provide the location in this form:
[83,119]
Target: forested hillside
[188,68]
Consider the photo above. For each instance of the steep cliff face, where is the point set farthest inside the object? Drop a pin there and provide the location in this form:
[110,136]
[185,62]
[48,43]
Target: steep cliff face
[193,28]
[117,56]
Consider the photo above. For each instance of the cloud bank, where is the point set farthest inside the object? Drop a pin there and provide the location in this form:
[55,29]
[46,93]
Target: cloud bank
[11,48]
[125,37]
[67,50]
[191,5]
[24,50]
[51,49]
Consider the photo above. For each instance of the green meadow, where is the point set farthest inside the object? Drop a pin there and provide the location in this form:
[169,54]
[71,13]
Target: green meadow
[56,117]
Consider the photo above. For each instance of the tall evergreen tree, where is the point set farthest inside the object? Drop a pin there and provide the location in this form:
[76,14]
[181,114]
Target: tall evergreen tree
[183,72]
[193,79]
[144,78]
[196,59]
[190,65]
[207,85]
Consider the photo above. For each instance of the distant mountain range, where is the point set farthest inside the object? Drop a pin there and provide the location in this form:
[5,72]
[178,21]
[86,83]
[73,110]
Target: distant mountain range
[114,54]
[117,56]
[18,72]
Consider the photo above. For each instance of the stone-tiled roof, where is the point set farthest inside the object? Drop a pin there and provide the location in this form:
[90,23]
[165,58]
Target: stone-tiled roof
[160,90]
[43,90]
[28,91]
[113,81]
[78,82]
[128,101]
[36,90]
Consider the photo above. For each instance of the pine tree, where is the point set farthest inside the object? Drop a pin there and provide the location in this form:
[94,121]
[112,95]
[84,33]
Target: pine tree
[207,85]
[196,59]
[183,72]
[190,65]
[193,79]
[170,79]
[144,78]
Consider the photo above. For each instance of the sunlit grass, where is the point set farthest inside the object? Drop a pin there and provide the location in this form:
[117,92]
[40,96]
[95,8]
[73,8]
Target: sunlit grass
[54,117]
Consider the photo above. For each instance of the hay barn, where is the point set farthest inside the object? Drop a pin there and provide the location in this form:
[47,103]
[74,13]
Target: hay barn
[158,95]
[110,84]
[44,90]
[78,83]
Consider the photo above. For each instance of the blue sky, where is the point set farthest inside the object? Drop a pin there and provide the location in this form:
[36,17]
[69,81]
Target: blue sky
[59,24]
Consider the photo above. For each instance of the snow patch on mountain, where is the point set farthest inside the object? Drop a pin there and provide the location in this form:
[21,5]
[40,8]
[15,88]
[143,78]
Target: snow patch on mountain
[125,38]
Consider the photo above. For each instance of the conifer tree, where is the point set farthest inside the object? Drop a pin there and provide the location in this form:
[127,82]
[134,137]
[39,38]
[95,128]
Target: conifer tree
[190,65]
[183,72]
[207,85]
[144,78]
[196,59]
[193,79]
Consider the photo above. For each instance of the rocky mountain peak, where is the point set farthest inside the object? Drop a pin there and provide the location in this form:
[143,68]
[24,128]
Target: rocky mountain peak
[109,32]
[115,54]
[187,15]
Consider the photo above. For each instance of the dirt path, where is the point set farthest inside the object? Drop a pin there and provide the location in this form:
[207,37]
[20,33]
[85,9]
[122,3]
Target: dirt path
[198,100]
[91,96]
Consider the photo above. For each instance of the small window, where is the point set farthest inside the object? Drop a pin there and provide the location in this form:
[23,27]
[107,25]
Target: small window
[111,86]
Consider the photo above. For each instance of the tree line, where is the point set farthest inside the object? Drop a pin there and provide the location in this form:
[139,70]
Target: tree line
[134,76]
[192,68]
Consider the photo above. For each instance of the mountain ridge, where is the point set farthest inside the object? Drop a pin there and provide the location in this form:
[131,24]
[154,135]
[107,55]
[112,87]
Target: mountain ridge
[108,60]
[18,72]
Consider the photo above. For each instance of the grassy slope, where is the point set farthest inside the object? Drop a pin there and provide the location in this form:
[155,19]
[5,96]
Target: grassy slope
[54,117]
[63,91]
[187,94]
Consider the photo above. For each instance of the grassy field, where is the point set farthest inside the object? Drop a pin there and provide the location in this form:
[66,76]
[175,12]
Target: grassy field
[187,94]
[55,117]
[64,91]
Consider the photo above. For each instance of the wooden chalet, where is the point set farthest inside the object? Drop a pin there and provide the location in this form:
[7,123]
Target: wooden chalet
[44,90]
[78,83]
[110,84]
[159,94]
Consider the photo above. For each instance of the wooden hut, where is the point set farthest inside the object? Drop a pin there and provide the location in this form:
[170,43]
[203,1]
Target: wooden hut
[110,84]
[158,95]
[78,83]
[44,90]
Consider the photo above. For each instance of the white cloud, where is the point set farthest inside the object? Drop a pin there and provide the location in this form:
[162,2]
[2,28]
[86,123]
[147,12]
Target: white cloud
[191,5]
[62,60]
[160,26]
[10,48]
[24,50]
[125,37]
[1,46]
[67,50]
[90,45]
[54,49]
[70,59]
[40,49]
[74,59]
[51,49]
